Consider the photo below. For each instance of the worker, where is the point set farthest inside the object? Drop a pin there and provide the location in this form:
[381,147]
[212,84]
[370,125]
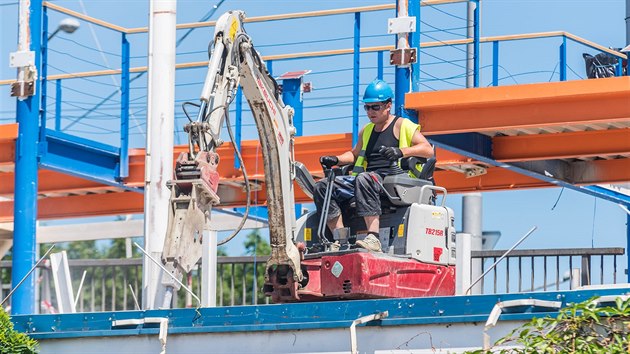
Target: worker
[382,143]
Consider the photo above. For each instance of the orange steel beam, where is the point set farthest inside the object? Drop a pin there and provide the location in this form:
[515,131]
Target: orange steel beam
[522,106]
[8,135]
[131,203]
[561,145]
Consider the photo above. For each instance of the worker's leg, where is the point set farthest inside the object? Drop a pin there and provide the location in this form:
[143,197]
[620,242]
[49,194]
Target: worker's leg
[368,200]
[340,193]
[372,223]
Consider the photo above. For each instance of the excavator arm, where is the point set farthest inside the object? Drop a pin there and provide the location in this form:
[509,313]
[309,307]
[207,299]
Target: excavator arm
[233,63]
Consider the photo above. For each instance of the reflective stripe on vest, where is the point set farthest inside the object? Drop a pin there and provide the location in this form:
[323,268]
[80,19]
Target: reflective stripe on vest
[407,130]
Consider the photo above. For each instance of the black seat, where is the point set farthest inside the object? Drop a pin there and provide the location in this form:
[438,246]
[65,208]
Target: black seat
[404,190]
[304,179]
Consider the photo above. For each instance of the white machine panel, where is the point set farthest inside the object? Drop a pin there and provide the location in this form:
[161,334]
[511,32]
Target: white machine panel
[431,234]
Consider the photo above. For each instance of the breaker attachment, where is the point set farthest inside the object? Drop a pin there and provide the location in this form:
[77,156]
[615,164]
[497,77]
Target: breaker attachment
[193,193]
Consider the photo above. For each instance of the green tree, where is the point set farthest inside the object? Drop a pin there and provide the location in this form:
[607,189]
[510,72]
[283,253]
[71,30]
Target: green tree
[579,328]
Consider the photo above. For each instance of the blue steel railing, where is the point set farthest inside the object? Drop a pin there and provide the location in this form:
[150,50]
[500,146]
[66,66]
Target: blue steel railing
[430,74]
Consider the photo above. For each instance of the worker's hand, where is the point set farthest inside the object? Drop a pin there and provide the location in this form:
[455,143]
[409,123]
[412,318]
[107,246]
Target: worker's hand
[391,153]
[328,161]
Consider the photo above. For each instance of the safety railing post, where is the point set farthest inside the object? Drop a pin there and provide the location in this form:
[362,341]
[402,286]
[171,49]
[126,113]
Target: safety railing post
[44,84]
[123,167]
[355,77]
[379,65]
[58,105]
[495,63]
[476,56]
[563,59]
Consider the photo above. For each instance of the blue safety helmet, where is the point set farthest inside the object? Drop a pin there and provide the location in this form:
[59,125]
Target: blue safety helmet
[378,91]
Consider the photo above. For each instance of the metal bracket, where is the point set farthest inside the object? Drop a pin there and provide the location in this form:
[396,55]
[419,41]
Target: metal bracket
[404,56]
[475,171]
[22,59]
[22,89]
[401,25]
[361,320]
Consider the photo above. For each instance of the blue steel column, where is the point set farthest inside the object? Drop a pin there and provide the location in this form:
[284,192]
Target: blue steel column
[25,203]
[123,167]
[619,69]
[405,74]
[292,96]
[44,74]
[356,78]
[476,45]
[58,105]
[495,63]
[239,125]
[563,59]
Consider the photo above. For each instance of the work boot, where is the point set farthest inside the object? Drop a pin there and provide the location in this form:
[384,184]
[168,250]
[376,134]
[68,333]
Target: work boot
[370,243]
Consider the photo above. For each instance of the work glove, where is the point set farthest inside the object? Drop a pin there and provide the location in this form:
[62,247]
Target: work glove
[328,161]
[391,153]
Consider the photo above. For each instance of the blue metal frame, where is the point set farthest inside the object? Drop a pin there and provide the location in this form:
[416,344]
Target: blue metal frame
[44,80]
[292,96]
[82,158]
[379,65]
[58,105]
[563,59]
[495,63]
[123,165]
[356,60]
[26,181]
[619,68]
[300,316]
[476,58]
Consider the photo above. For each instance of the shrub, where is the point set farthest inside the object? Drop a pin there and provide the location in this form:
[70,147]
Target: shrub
[579,328]
[12,342]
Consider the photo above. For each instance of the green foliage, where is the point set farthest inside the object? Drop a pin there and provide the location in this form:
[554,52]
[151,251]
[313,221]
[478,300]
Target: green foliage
[579,328]
[14,342]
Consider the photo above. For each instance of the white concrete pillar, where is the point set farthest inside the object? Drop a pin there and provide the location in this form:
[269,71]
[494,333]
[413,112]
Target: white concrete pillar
[160,132]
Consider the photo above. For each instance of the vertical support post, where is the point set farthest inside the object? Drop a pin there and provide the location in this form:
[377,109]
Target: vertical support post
[44,77]
[123,162]
[270,67]
[563,59]
[379,65]
[239,125]
[355,77]
[619,69]
[209,270]
[463,263]
[58,105]
[476,54]
[495,63]
[403,73]
[414,39]
[292,96]
[159,159]
[472,224]
[26,181]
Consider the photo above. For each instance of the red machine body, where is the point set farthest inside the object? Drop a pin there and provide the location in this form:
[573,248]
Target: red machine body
[358,274]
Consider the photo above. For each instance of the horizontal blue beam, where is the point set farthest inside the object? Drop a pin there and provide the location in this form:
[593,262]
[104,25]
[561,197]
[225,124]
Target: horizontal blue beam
[82,158]
[317,315]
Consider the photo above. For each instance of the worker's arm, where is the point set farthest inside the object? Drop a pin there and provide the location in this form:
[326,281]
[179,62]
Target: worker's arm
[420,146]
[350,156]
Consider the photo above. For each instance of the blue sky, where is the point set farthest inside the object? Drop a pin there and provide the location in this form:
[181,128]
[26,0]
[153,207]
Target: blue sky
[578,220]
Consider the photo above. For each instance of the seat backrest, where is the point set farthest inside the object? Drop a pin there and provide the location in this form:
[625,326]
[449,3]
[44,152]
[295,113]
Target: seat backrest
[304,179]
[406,188]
